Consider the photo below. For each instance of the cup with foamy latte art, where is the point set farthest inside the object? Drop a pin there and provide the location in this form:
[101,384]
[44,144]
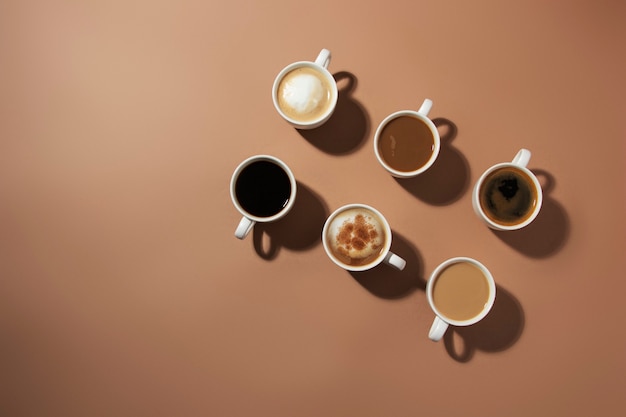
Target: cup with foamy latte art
[305,92]
[357,237]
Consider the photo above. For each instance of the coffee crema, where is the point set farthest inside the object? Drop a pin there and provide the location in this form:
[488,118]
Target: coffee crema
[461,291]
[406,143]
[304,94]
[508,196]
[263,188]
[356,236]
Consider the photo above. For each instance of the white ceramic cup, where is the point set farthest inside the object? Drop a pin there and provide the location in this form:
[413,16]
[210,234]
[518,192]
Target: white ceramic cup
[384,253]
[422,115]
[441,322]
[519,163]
[320,66]
[263,189]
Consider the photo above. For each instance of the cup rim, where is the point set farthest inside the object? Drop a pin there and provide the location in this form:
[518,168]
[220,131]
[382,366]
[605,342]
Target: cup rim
[435,274]
[334,94]
[280,163]
[493,224]
[436,138]
[383,253]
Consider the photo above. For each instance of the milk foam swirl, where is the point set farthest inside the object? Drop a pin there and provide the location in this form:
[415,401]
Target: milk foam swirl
[303,93]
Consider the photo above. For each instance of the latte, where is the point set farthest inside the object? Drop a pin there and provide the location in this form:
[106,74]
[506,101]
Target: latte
[304,94]
[356,236]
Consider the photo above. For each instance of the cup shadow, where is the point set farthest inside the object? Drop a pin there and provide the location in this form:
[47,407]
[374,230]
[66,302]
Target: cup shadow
[498,331]
[299,230]
[346,130]
[447,179]
[387,282]
[548,233]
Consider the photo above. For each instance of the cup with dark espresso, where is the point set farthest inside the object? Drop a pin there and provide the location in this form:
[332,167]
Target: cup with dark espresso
[357,237]
[407,143]
[305,92]
[460,291]
[263,189]
[508,195]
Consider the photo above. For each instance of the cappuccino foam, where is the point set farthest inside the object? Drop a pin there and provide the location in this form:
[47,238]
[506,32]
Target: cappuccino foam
[303,94]
[356,236]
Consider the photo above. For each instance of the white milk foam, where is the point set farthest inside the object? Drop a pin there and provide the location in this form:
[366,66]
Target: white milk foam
[303,93]
[356,234]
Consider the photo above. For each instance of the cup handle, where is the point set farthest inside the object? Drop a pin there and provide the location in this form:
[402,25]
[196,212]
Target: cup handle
[244,227]
[395,261]
[425,107]
[437,330]
[323,59]
[522,158]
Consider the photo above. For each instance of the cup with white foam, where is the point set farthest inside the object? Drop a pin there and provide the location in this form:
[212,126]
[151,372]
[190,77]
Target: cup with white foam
[357,237]
[305,92]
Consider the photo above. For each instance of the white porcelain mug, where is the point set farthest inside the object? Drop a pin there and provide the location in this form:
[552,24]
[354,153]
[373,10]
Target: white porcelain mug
[263,189]
[407,142]
[460,291]
[508,196]
[305,93]
[357,237]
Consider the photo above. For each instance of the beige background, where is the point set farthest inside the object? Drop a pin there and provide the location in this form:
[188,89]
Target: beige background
[123,291]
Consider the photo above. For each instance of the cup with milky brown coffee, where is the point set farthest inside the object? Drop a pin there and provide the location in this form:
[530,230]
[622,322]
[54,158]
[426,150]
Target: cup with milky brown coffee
[407,143]
[508,195]
[305,92]
[357,237]
[460,291]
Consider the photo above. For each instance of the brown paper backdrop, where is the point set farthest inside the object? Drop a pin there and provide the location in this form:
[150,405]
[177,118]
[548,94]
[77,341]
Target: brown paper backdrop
[123,291]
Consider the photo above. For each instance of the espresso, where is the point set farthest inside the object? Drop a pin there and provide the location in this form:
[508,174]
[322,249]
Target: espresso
[356,236]
[406,143]
[304,94]
[263,188]
[461,291]
[508,196]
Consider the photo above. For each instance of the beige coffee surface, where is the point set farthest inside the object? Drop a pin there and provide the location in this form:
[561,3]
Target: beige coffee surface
[461,291]
[124,292]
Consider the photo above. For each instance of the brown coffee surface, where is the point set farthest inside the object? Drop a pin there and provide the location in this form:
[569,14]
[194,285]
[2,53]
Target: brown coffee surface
[406,143]
[461,291]
[508,196]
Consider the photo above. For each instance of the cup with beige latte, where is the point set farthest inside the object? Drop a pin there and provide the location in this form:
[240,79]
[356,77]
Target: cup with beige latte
[461,292]
[305,93]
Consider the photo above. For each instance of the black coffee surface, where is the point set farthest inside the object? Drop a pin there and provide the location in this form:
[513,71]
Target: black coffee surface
[263,188]
[508,196]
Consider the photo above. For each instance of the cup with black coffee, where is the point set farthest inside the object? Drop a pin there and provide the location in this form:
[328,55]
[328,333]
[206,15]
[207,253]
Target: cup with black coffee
[407,142]
[263,189]
[305,92]
[461,292]
[357,237]
[508,195]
